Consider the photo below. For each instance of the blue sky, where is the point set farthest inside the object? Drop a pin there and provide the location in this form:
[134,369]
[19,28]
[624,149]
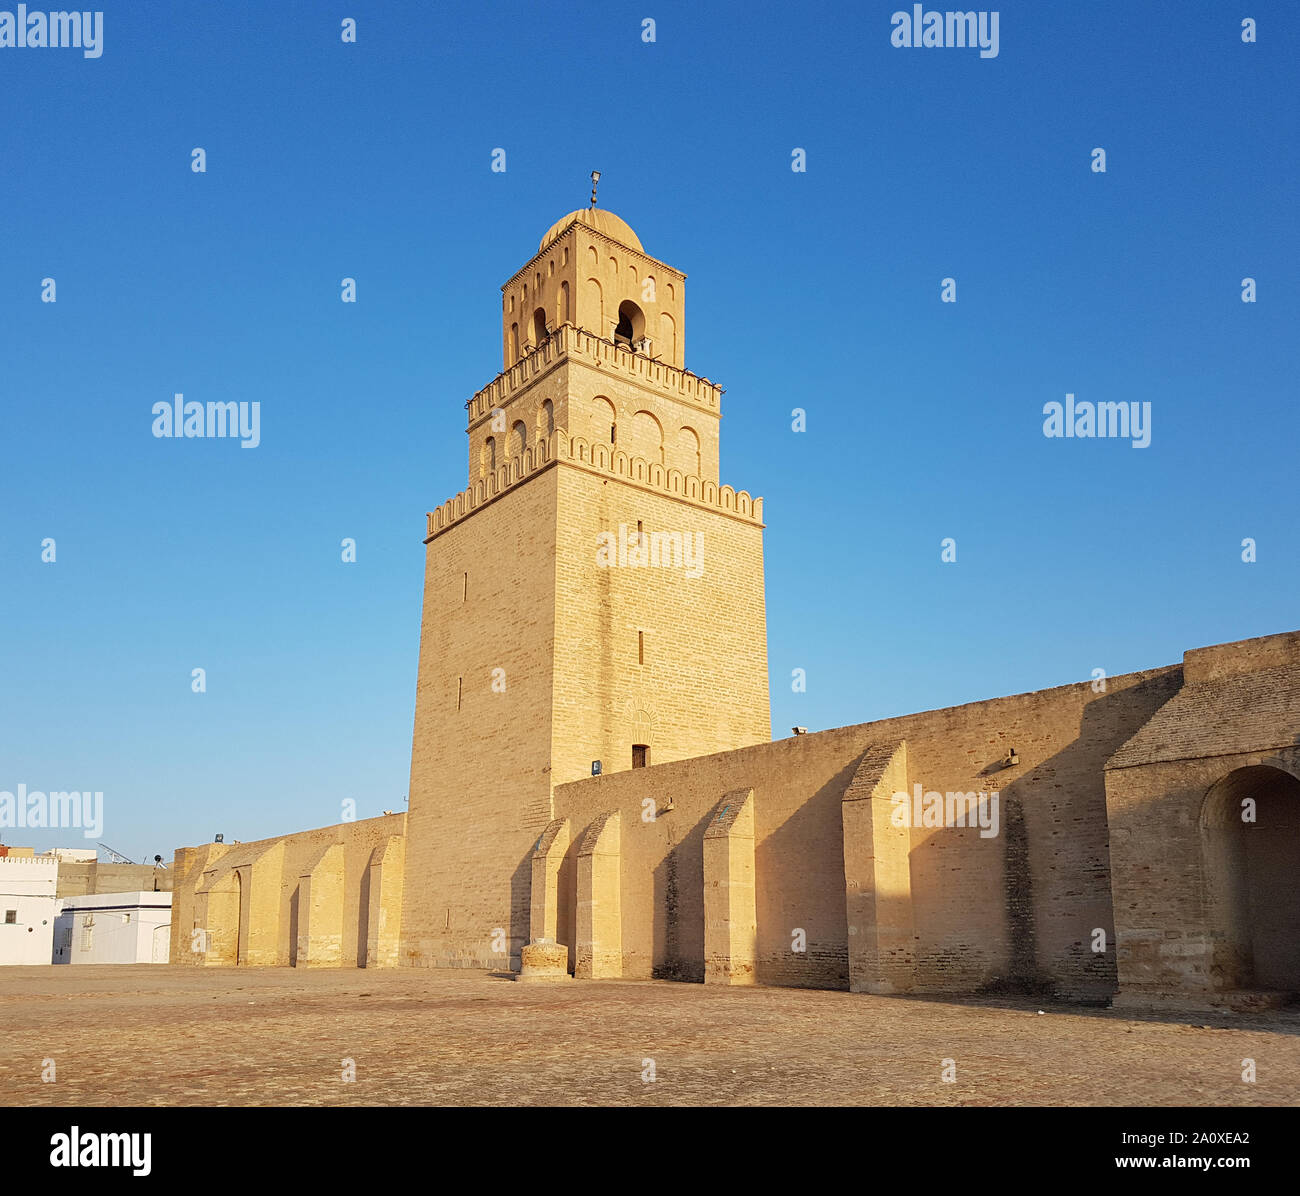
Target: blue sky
[818,290]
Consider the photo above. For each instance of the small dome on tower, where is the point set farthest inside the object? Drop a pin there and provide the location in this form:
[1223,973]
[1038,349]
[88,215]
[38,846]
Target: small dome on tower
[599,219]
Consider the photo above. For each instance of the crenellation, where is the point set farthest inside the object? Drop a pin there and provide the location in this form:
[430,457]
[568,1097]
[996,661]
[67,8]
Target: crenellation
[569,341]
[579,452]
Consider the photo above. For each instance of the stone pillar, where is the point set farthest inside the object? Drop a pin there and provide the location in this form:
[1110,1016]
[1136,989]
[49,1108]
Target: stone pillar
[730,919]
[544,957]
[877,875]
[543,960]
[548,855]
[320,911]
[600,922]
[384,908]
[260,918]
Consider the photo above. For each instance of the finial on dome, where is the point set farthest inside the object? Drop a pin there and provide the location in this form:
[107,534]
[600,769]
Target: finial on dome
[595,178]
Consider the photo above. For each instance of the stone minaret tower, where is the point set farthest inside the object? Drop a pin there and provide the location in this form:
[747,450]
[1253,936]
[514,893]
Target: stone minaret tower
[594,594]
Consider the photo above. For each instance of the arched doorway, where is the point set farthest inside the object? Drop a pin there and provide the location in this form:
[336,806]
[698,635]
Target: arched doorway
[1250,836]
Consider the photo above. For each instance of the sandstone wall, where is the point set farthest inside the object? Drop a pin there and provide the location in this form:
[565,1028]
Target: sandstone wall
[480,761]
[251,905]
[1015,910]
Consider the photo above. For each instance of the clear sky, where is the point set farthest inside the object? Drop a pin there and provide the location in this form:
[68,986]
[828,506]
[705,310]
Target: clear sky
[818,290]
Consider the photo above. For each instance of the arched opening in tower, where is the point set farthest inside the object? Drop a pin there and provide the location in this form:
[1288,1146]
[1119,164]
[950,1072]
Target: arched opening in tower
[631,325]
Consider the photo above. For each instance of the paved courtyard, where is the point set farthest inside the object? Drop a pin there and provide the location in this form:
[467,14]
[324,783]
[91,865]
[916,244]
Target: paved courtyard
[162,1035]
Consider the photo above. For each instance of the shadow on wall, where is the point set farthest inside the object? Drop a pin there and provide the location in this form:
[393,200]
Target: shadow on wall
[1043,888]
[809,896]
[678,919]
[363,912]
[293,926]
[566,902]
[520,898]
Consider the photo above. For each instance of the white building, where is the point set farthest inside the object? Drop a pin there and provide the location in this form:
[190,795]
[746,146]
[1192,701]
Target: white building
[73,855]
[113,928]
[28,908]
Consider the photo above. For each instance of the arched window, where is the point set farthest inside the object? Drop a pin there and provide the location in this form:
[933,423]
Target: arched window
[539,326]
[646,438]
[631,325]
[514,344]
[686,454]
[563,317]
[668,335]
[546,418]
[518,438]
[603,417]
[489,458]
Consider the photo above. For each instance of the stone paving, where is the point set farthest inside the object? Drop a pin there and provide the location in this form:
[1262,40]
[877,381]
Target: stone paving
[163,1035]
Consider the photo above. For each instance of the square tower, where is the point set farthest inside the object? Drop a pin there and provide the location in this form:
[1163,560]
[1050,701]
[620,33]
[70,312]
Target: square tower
[594,594]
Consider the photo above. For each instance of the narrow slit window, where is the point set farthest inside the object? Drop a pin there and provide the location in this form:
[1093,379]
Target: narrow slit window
[640,647]
[459,684]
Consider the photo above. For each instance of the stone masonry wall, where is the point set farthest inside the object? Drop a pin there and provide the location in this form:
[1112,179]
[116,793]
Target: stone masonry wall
[480,774]
[269,920]
[1016,910]
[652,655]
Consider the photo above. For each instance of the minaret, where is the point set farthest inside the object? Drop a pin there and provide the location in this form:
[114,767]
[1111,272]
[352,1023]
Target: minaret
[593,595]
